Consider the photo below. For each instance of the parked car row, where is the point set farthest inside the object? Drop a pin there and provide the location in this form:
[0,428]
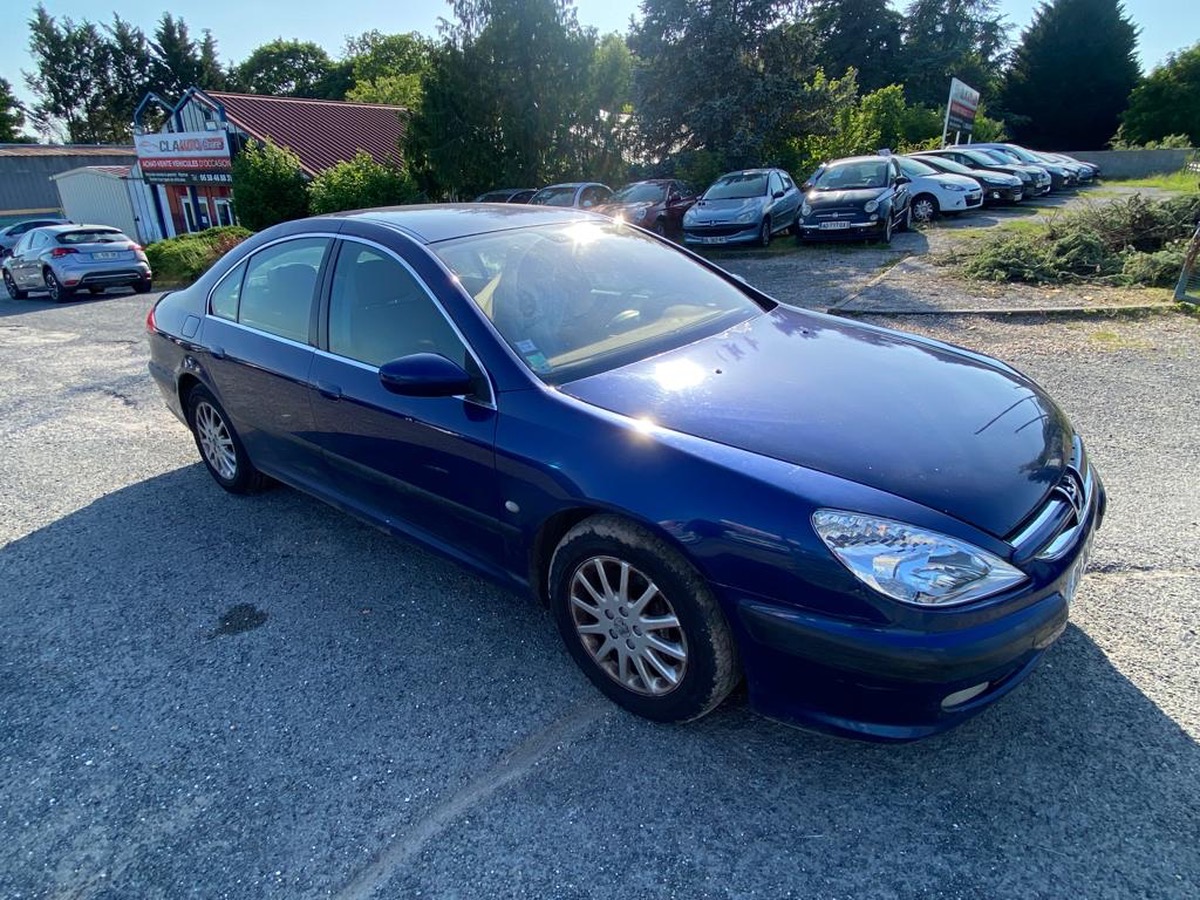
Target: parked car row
[61,259]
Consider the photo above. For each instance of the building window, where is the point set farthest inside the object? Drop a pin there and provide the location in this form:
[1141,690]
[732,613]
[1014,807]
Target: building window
[224,211]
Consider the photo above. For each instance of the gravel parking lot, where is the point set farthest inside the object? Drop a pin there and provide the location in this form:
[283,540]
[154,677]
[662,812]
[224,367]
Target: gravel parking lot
[220,697]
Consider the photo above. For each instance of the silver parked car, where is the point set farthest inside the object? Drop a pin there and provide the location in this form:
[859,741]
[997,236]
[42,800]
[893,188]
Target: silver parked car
[62,259]
[744,207]
[10,234]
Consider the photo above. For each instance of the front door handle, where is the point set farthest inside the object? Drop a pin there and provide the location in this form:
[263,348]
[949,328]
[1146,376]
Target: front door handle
[329,391]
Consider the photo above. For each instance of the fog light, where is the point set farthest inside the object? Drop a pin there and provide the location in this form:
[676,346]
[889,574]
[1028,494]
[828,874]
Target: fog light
[958,698]
[873,219]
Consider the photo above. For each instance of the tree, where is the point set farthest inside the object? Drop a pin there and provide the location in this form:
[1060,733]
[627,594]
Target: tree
[71,80]
[860,34]
[724,77]
[387,68]
[292,69]
[269,186]
[359,184]
[177,62]
[12,114]
[1167,102]
[503,98]
[1071,75]
[964,39]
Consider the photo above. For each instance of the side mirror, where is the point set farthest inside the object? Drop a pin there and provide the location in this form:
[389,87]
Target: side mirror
[903,179]
[778,194]
[424,375]
[807,186]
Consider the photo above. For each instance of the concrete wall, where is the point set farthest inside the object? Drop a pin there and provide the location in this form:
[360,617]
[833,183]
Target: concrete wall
[1134,163]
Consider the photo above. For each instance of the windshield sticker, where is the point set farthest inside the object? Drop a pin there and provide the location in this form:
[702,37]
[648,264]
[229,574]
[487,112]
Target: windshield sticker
[527,347]
[538,362]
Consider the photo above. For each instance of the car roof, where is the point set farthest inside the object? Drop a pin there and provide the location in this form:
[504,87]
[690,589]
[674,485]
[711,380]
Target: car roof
[872,157]
[62,229]
[573,184]
[442,222]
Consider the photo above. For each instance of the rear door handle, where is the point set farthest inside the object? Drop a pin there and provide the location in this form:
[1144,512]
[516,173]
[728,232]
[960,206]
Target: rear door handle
[329,391]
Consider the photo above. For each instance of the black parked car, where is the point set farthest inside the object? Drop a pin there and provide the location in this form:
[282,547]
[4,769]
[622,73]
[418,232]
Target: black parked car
[862,196]
[507,195]
[1035,179]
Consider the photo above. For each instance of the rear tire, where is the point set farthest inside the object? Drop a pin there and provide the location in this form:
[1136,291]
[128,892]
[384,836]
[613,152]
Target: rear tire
[640,621]
[57,292]
[144,286]
[219,445]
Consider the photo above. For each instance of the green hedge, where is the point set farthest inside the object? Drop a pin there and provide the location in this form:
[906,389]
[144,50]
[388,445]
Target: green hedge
[183,259]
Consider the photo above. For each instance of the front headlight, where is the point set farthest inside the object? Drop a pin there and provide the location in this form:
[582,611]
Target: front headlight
[806,210]
[871,206]
[947,186]
[910,564]
[746,218]
[639,214]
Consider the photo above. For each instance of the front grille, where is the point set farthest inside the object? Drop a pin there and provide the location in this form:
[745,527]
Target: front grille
[840,212]
[1054,528]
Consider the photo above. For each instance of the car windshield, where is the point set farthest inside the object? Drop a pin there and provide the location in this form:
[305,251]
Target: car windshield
[554,196]
[580,298]
[737,186]
[949,165]
[92,236]
[914,168]
[852,175]
[641,192]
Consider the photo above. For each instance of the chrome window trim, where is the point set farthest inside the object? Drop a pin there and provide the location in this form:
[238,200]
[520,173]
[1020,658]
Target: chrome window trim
[245,260]
[490,400]
[259,331]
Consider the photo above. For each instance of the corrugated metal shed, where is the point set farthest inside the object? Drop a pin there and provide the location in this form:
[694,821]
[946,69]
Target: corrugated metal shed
[99,195]
[26,170]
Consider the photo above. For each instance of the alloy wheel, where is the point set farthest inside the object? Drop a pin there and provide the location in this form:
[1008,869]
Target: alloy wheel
[627,626]
[924,209]
[215,441]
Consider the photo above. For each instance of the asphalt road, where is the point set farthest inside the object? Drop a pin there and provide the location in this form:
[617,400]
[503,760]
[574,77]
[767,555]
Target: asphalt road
[219,697]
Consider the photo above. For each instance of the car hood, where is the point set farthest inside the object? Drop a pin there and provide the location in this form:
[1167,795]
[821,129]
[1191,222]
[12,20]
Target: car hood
[953,430]
[817,199]
[613,209]
[723,210]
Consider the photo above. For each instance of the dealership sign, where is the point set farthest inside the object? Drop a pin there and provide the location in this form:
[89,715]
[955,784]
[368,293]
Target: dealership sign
[187,157]
[960,109]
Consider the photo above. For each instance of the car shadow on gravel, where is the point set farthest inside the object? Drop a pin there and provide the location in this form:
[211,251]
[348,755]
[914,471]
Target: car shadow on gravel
[379,681]
[38,302]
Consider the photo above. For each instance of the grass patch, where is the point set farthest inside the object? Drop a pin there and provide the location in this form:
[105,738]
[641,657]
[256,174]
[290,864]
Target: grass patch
[1183,182]
[181,260]
[1132,242]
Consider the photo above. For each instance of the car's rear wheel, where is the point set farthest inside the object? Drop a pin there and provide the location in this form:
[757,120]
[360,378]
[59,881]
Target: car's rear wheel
[143,286]
[11,286]
[925,208]
[219,445]
[640,621]
[57,291]
[764,234]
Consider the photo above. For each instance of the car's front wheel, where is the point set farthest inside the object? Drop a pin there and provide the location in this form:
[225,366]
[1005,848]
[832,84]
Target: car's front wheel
[11,286]
[219,445]
[925,208]
[640,621]
[764,234]
[55,289]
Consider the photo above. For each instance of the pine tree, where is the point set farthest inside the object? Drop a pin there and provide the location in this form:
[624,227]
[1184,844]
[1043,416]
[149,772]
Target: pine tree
[1071,75]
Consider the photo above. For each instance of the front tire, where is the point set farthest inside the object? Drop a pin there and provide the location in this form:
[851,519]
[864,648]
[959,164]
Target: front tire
[925,208]
[58,293]
[764,234]
[887,228]
[640,621]
[219,445]
[11,286]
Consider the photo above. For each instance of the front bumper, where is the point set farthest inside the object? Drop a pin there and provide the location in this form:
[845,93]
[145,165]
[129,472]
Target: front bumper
[719,235]
[889,683]
[993,195]
[811,229]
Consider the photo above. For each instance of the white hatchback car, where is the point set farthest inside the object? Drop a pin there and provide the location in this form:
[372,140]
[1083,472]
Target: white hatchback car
[935,193]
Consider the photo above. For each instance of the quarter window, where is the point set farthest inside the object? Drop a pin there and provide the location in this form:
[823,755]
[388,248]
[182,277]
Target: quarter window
[378,311]
[225,297]
[277,292]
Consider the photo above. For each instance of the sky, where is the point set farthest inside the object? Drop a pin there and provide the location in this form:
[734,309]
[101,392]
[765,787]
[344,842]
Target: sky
[240,26]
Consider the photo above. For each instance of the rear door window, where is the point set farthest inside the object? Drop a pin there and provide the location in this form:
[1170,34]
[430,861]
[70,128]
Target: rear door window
[279,286]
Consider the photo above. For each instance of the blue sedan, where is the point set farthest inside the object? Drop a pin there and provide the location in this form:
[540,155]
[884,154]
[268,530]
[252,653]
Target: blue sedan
[879,533]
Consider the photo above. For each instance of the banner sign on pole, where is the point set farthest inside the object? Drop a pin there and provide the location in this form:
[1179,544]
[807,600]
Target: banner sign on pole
[960,109]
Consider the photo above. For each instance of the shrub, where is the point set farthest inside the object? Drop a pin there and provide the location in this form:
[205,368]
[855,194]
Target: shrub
[359,184]
[270,186]
[183,259]
[1130,242]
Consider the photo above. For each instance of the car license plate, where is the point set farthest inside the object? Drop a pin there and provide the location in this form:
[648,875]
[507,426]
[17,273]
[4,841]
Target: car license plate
[106,254]
[720,239]
[1075,575]
[834,226]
